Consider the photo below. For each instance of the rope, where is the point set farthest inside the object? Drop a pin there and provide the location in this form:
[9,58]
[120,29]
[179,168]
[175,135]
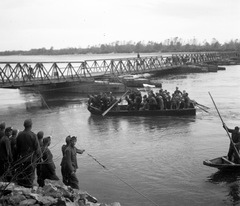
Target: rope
[58,142]
[122,180]
[43,100]
[106,167]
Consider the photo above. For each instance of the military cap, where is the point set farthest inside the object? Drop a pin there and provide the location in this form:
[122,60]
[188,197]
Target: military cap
[68,139]
[73,138]
[40,135]
[46,140]
[8,129]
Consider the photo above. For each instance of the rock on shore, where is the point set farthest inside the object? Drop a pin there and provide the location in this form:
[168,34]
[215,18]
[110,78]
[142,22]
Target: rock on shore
[54,193]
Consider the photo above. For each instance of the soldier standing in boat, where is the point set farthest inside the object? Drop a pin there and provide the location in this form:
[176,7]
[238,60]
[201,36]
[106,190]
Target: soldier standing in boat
[235,138]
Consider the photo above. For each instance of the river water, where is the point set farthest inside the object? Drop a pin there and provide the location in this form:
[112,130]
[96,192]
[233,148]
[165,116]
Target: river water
[146,159]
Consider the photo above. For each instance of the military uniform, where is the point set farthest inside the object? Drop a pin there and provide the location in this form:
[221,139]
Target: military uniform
[28,152]
[71,166]
[47,167]
[5,156]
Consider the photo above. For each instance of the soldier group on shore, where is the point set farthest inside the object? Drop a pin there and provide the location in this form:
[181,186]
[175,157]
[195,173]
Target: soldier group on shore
[22,153]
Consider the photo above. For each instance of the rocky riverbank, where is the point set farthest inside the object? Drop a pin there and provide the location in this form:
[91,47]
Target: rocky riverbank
[54,193]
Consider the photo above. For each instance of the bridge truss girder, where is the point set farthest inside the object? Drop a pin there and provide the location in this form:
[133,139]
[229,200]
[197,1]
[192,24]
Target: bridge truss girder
[16,74]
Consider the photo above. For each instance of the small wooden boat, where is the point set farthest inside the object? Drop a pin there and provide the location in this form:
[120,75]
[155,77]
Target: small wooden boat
[222,163]
[121,110]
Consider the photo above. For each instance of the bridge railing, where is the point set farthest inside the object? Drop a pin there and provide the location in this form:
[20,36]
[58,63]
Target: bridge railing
[19,74]
[40,73]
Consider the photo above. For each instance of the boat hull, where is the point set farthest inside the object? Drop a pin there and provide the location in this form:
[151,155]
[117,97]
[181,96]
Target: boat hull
[79,87]
[221,163]
[122,111]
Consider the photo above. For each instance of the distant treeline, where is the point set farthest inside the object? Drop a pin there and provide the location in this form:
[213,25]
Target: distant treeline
[169,45]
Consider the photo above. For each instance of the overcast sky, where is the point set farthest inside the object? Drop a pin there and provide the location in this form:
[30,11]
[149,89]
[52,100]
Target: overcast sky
[27,24]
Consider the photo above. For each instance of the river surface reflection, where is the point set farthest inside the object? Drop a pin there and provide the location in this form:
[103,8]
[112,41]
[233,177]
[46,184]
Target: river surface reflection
[161,157]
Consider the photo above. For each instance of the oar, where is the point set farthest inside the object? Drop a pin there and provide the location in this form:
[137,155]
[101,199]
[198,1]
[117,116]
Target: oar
[104,113]
[93,107]
[202,105]
[225,127]
[202,108]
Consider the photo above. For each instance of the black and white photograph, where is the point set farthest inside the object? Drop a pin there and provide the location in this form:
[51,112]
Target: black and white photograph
[119,103]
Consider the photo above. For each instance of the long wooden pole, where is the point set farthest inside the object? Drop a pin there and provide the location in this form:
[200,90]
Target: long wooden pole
[225,127]
[104,113]
[202,108]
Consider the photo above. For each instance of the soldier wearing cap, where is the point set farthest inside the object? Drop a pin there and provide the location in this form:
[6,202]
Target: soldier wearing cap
[71,165]
[28,152]
[5,154]
[48,168]
[13,140]
[63,162]
[40,135]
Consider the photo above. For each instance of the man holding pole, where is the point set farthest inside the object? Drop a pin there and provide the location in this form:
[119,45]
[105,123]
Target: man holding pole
[71,163]
[235,139]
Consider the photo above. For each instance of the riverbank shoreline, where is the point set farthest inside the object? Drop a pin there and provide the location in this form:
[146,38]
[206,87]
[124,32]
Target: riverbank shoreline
[54,193]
